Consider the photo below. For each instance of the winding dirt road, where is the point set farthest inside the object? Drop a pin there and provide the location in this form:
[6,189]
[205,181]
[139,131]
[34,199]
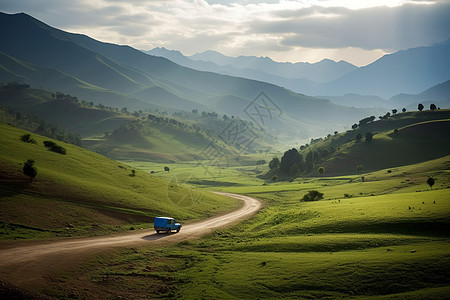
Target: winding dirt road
[29,266]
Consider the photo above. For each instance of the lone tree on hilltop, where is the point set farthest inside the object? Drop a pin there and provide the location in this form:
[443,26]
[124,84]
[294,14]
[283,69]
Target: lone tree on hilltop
[394,111]
[432,107]
[430,182]
[420,107]
[29,169]
[313,196]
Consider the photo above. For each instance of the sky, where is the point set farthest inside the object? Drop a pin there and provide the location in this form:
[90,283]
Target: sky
[357,31]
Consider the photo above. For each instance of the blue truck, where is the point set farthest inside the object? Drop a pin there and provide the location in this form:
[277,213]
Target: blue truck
[166,224]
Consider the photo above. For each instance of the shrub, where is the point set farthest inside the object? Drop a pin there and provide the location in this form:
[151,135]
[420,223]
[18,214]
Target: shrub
[430,182]
[27,138]
[321,170]
[29,169]
[54,147]
[274,178]
[313,196]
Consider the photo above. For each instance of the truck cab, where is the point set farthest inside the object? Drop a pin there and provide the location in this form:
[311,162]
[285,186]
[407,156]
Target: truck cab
[166,224]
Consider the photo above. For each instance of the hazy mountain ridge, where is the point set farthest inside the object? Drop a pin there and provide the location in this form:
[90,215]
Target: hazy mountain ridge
[127,74]
[299,77]
[408,71]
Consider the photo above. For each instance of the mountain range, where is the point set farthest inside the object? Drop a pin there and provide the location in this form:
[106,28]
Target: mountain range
[299,77]
[410,71]
[121,76]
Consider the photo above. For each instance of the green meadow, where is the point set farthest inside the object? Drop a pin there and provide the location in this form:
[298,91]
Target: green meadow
[83,193]
[384,238]
[379,234]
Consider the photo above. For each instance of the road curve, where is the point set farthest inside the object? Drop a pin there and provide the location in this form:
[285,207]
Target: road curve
[26,265]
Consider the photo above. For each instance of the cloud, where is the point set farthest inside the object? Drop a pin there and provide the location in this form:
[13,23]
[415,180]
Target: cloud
[283,28]
[396,28]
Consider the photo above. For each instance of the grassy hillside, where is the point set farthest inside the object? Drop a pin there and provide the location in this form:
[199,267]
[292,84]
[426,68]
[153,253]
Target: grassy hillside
[401,139]
[118,75]
[83,193]
[386,240]
[65,111]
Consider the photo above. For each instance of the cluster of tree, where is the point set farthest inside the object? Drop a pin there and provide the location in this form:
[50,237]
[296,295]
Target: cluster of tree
[368,137]
[433,107]
[312,196]
[29,169]
[13,87]
[294,163]
[27,138]
[52,146]
[35,125]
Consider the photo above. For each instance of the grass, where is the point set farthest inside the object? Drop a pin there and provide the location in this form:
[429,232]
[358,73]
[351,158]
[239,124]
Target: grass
[83,193]
[390,245]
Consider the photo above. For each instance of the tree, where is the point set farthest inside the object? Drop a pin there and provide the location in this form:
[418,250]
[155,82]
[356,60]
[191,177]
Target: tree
[420,107]
[289,159]
[313,196]
[336,133]
[27,138]
[432,107]
[369,136]
[166,168]
[274,163]
[359,168]
[321,170]
[354,126]
[29,169]
[55,148]
[260,162]
[394,111]
[430,182]
[403,109]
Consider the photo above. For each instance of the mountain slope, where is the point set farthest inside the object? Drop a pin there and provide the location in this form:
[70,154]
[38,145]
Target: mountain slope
[299,77]
[125,71]
[398,140]
[323,71]
[438,95]
[409,71]
[91,193]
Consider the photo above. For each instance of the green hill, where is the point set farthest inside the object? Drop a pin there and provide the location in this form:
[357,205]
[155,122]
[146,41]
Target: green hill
[401,139]
[124,135]
[118,75]
[84,193]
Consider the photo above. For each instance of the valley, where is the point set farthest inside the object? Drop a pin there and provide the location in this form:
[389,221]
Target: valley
[281,192]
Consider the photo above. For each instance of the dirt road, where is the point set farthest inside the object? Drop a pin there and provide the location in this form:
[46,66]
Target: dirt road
[28,266]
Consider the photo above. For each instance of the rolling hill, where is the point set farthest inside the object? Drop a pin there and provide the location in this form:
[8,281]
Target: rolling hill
[83,193]
[397,140]
[137,80]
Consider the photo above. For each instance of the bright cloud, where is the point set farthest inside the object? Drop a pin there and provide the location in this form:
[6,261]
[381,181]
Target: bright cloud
[358,31]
